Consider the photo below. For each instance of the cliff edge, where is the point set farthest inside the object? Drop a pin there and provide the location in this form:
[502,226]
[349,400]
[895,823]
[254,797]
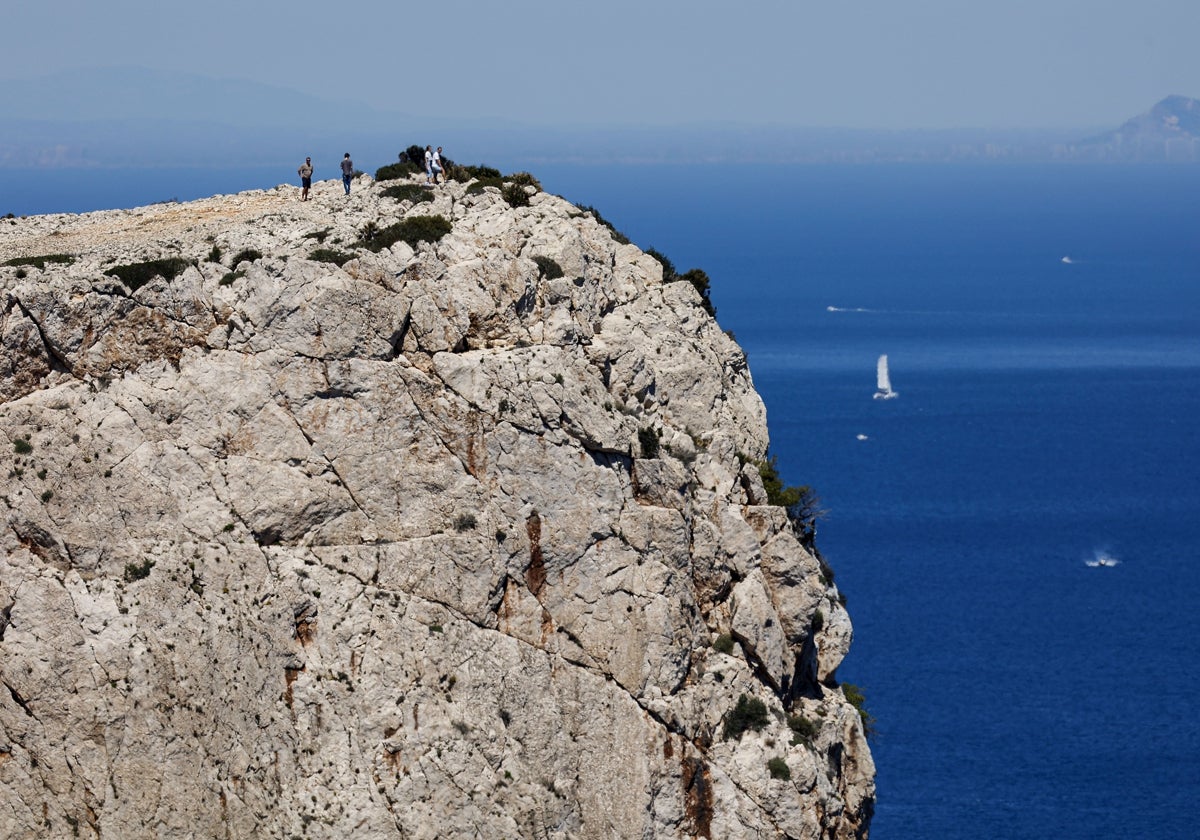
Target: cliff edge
[329,519]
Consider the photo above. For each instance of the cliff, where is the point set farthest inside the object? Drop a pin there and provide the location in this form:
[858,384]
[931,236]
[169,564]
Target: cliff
[435,543]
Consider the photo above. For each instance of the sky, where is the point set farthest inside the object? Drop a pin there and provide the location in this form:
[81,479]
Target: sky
[893,64]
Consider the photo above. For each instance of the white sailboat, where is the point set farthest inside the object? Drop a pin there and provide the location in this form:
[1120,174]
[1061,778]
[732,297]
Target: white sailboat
[883,381]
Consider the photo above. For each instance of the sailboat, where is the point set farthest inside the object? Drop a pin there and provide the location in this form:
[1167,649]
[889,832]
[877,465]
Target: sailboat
[884,383]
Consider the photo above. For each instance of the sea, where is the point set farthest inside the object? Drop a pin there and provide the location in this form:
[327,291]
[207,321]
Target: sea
[1017,532]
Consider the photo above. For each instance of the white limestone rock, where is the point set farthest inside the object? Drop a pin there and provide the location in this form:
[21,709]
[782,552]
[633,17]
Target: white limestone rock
[288,549]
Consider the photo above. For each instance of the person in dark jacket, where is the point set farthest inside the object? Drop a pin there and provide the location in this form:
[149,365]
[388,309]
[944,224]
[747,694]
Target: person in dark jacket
[347,172]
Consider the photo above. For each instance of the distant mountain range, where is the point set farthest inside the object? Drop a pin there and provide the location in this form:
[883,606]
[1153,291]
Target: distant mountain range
[137,117]
[1170,131]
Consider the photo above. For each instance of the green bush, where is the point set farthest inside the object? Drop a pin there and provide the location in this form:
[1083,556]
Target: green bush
[230,276]
[138,571]
[465,173]
[723,644]
[395,171]
[550,269]
[648,442]
[616,234]
[22,446]
[415,155]
[412,230]
[482,183]
[136,275]
[515,195]
[464,522]
[524,179]
[319,235]
[214,255]
[779,769]
[40,262]
[331,255]
[803,729]
[858,700]
[409,192]
[802,504]
[697,277]
[246,255]
[749,713]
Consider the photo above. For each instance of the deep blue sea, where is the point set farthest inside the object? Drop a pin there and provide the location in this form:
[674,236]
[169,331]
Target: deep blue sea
[1047,415]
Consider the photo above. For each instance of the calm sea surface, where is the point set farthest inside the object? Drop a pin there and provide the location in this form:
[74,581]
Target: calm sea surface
[1047,416]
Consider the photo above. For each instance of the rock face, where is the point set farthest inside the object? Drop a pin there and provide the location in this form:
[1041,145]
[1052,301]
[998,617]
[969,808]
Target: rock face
[386,550]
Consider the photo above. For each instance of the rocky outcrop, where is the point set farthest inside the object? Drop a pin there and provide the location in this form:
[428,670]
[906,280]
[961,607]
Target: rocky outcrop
[385,550]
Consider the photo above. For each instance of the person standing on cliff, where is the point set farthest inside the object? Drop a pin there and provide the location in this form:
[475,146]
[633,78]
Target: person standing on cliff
[438,166]
[428,164]
[347,172]
[305,173]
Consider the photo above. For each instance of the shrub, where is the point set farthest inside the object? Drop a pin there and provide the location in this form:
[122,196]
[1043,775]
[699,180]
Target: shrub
[394,171]
[482,183]
[749,713]
[648,442]
[22,446]
[515,195]
[415,154]
[331,255]
[464,173]
[550,269]
[818,621]
[230,276]
[22,274]
[319,235]
[699,280]
[723,644]
[47,495]
[779,769]
[696,276]
[215,254]
[136,275]
[524,179]
[803,729]
[409,192]
[802,504]
[412,230]
[247,255]
[464,522]
[858,700]
[40,262]
[138,571]
[616,234]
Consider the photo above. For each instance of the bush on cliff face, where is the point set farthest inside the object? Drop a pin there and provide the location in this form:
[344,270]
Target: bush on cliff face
[696,276]
[858,700]
[802,504]
[136,275]
[749,713]
[412,230]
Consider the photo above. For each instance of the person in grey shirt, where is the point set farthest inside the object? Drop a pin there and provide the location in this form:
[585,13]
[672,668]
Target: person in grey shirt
[305,173]
[347,172]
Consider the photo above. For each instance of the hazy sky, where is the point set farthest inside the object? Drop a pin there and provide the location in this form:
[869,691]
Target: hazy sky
[849,63]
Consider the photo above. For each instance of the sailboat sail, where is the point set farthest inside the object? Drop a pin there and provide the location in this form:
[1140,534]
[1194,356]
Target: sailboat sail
[883,381]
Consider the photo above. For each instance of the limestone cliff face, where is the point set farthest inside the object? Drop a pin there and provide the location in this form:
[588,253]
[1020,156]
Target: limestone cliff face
[293,550]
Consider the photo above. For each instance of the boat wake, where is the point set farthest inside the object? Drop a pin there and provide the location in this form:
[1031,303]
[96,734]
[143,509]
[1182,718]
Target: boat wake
[847,309]
[1102,558]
